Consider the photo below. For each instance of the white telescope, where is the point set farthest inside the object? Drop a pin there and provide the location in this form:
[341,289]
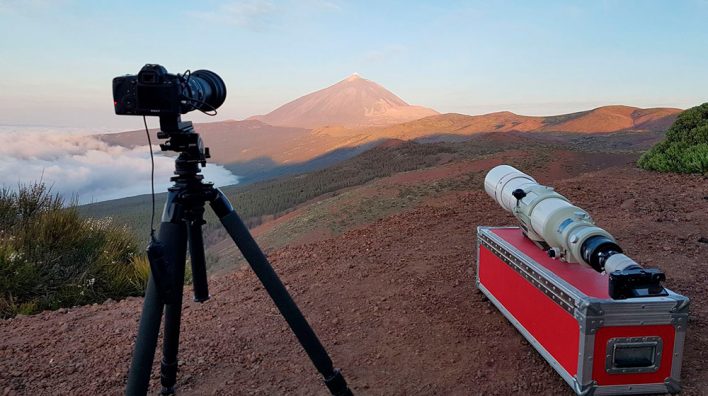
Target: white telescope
[567,232]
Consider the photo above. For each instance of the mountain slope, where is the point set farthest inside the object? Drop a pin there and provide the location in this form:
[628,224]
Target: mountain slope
[613,118]
[252,148]
[600,120]
[353,101]
[238,141]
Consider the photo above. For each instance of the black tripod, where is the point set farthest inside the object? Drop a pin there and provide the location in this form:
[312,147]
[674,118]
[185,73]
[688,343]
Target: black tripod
[182,222]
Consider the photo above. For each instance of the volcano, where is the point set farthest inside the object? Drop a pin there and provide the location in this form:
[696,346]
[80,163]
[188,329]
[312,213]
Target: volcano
[352,102]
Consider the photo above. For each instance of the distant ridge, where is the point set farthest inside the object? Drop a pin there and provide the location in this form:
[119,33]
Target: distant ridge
[604,119]
[352,102]
[238,141]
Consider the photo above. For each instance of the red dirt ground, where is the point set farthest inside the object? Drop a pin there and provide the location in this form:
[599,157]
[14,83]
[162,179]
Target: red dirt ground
[393,302]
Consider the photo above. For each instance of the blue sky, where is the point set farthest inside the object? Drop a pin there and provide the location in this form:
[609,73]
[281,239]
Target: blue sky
[530,57]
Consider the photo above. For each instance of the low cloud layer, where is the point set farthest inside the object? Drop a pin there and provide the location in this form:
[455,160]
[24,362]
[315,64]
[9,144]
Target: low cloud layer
[87,167]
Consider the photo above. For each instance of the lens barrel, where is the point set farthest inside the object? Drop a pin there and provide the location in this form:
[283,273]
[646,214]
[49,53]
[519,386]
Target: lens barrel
[211,87]
[501,182]
[597,249]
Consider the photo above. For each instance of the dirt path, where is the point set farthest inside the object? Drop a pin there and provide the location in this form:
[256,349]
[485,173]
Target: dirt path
[393,302]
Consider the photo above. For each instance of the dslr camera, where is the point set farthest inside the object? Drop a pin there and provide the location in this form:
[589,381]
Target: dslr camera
[155,92]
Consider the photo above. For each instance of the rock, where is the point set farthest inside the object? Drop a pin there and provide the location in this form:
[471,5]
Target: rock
[629,204]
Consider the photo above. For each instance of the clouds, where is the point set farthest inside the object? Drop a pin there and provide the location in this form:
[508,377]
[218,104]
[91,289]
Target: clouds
[252,14]
[88,167]
[261,14]
[29,6]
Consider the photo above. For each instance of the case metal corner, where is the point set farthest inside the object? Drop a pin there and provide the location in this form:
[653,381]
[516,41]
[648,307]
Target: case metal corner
[672,386]
[585,390]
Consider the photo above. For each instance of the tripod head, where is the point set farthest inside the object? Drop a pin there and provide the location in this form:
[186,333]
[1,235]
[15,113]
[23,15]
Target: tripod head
[182,138]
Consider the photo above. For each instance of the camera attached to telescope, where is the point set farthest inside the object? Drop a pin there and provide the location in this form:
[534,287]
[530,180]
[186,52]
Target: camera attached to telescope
[568,233]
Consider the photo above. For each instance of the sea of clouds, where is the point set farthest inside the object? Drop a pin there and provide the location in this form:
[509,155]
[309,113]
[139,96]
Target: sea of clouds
[76,164]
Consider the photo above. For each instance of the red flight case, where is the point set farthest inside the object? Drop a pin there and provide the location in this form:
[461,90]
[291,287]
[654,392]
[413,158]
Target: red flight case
[598,345]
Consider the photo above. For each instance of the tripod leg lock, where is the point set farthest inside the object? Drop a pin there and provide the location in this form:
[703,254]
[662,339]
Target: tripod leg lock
[337,385]
[168,377]
[163,273]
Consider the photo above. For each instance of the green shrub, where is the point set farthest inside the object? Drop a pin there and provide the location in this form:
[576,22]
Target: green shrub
[51,257]
[685,148]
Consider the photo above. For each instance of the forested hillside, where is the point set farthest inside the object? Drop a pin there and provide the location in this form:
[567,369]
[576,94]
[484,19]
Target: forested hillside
[275,197]
[272,199]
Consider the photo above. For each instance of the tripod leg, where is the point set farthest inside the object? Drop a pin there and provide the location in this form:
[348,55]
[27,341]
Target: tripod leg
[146,342]
[198,260]
[174,237]
[173,312]
[287,307]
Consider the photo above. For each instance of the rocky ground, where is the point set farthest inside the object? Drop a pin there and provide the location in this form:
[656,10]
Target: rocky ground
[393,302]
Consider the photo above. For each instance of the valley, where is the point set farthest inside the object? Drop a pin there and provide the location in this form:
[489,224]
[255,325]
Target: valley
[265,201]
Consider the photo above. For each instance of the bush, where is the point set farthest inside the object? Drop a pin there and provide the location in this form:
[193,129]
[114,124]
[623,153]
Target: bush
[51,257]
[685,148]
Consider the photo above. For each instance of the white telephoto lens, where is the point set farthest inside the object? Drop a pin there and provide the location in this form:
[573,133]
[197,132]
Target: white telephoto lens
[502,180]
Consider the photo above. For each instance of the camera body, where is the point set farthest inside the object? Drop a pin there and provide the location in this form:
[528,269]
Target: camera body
[154,92]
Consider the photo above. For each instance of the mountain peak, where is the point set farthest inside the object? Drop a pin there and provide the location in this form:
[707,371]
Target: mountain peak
[354,101]
[353,77]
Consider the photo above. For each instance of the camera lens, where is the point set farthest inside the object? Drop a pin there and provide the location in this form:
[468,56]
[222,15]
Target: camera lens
[212,87]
